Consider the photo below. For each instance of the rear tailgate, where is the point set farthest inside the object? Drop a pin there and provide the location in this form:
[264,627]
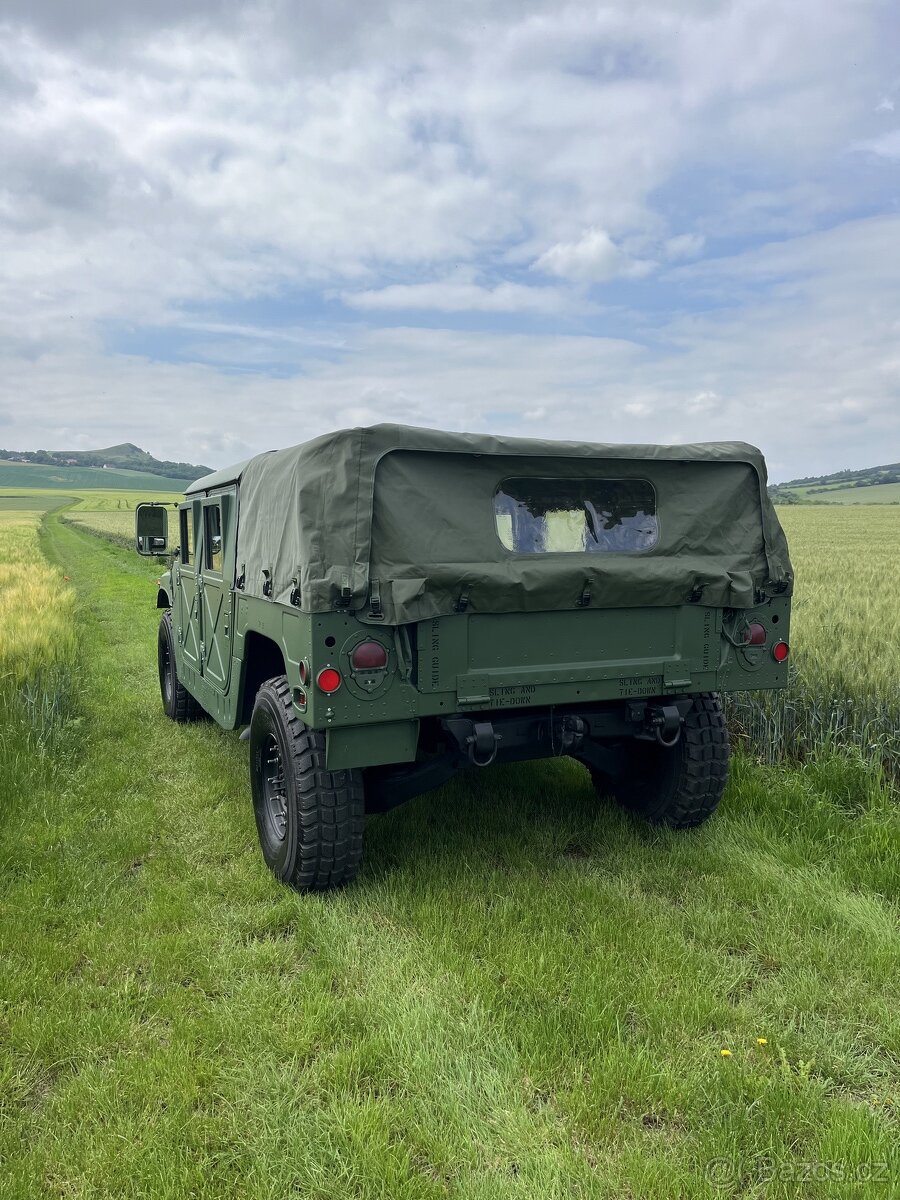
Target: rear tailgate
[512,659]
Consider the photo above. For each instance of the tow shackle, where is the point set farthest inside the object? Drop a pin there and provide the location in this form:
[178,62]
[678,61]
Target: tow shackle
[481,744]
[664,721]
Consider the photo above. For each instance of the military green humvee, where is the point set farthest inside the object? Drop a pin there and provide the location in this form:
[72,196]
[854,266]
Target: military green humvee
[383,606]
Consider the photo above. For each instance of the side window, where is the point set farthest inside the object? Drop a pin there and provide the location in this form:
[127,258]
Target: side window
[212,516]
[187,535]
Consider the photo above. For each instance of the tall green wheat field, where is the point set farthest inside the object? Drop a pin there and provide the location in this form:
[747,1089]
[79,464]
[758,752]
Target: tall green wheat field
[526,994]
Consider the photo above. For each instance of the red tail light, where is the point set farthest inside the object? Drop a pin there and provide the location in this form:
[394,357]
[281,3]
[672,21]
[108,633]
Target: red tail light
[756,634]
[329,680]
[780,651]
[369,656]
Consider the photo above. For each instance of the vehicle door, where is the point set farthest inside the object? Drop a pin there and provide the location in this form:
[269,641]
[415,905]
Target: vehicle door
[215,587]
[187,599]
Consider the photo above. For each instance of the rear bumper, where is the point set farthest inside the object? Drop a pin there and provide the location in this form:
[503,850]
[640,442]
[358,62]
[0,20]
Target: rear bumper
[480,738]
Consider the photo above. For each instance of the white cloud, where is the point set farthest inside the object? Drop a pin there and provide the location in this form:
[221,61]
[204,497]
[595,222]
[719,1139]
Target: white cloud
[702,403]
[887,145]
[453,296]
[808,371]
[593,258]
[685,245]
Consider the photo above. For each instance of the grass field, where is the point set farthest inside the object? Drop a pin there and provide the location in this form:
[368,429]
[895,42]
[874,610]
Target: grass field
[109,513]
[879,493]
[85,499]
[37,653]
[845,633]
[115,525]
[34,475]
[526,994]
[33,501]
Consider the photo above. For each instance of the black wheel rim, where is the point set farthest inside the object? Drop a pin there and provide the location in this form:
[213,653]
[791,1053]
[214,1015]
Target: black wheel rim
[274,795]
[165,669]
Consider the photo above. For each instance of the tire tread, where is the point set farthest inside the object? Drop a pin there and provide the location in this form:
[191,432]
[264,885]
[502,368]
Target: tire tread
[329,803]
[184,707]
[695,788]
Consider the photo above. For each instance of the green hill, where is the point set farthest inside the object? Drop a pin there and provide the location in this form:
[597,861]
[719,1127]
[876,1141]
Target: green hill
[871,485]
[126,457]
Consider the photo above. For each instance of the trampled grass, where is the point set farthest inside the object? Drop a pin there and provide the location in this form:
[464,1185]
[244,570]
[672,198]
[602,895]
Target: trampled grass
[526,994]
[845,639]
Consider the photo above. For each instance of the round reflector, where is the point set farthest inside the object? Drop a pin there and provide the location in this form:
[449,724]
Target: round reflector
[369,656]
[328,680]
[304,672]
[780,651]
[756,634]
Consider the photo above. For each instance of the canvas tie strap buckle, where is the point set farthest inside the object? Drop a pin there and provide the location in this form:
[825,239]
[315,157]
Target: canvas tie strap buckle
[346,595]
[376,612]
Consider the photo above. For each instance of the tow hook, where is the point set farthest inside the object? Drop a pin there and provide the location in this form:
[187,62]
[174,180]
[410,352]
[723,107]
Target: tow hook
[481,744]
[662,722]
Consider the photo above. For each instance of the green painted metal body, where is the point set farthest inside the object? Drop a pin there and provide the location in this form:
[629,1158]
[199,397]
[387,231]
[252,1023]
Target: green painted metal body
[467,662]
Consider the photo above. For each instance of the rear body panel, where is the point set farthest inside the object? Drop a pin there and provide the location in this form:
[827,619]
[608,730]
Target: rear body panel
[508,657]
[490,662]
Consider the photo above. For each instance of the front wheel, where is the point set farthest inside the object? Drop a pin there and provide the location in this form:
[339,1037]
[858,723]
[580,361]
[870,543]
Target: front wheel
[678,786]
[309,819]
[178,703]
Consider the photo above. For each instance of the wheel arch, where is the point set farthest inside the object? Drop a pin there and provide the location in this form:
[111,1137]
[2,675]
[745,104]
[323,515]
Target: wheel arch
[263,659]
[163,600]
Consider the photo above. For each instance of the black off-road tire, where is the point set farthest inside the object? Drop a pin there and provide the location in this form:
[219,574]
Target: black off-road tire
[679,786]
[309,819]
[178,703]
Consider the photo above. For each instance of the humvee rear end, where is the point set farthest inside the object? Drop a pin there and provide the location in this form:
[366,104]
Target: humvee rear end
[382,607]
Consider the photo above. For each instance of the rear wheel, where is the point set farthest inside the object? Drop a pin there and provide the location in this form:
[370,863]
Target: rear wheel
[178,703]
[679,786]
[309,819]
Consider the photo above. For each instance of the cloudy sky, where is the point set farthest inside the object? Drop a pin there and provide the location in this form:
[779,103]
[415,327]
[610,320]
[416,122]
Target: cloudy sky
[231,226]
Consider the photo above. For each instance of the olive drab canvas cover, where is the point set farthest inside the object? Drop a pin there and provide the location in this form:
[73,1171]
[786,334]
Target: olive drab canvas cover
[400,524]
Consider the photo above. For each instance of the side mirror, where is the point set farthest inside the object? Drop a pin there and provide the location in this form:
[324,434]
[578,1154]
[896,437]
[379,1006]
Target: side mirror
[151,529]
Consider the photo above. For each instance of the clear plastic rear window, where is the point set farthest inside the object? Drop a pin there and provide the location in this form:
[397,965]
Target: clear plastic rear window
[576,516]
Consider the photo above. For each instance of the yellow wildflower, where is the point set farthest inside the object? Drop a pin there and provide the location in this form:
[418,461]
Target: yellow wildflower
[762,1041]
[725,1053]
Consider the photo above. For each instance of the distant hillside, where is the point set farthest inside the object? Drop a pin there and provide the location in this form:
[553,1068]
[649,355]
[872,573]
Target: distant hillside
[872,485]
[16,475]
[126,457]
